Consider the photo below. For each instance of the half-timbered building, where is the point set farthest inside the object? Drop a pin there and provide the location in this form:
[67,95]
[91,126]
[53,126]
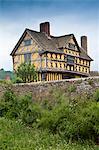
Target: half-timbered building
[55,58]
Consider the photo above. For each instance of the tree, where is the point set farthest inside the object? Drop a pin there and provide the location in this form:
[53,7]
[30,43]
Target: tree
[27,72]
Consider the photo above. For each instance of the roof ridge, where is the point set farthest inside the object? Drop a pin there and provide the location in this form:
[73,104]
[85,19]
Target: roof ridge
[27,29]
[62,35]
[71,34]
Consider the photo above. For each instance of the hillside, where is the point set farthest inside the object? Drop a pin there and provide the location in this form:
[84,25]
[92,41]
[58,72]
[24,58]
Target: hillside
[4,74]
[94,73]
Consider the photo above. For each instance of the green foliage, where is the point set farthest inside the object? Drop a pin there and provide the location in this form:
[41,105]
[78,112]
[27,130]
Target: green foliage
[29,111]
[71,120]
[22,107]
[16,136]
[17,80]
[4,73]
[72,88]
[96,95]
[91,82]
[79,81]
[6,82]
[27,72]
[8,105]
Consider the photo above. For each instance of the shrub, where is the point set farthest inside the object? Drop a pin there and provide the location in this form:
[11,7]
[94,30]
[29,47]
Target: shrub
[69,119]
[96,95]
[21,107]
[27,72]
[17,80]
[91,82]
[72,88]
[72,121]
[30,112]
[8,105]
[6,82]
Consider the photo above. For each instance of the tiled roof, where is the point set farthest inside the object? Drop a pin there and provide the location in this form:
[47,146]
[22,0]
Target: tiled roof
[61,41]
[84,55]
[45,42]
[51,43]
[55,43]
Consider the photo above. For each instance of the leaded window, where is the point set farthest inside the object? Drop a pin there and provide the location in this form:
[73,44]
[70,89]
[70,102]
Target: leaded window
[27,42]
[70,59]
[71,46]
[27,57]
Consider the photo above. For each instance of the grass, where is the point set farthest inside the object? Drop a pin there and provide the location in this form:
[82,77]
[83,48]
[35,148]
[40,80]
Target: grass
[16,136]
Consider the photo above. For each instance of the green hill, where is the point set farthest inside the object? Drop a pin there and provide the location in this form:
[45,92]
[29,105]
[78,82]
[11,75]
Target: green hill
[4,74]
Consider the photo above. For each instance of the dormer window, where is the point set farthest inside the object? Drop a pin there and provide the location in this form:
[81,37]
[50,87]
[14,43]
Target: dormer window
[71,46]
[27,42]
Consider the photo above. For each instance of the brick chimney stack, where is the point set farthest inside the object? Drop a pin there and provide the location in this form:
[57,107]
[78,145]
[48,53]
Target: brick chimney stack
[45,28]
[84,42]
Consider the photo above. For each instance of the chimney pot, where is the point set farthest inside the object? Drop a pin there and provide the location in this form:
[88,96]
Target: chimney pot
[45,28]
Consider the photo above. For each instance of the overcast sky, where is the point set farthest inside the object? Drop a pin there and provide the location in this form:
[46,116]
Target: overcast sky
[80,17]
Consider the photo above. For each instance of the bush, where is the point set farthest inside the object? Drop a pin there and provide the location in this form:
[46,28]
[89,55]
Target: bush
[27,72]
[73,122]
[96,95]
[91,82]
[72,88]
[21,107]
[70,119]
[6,82]
[8,105]
[29,111]
[17,80]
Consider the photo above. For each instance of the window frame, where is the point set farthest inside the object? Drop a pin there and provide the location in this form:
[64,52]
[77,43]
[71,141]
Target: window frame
[71,46]
[27,42]
[71,59]
[27,57]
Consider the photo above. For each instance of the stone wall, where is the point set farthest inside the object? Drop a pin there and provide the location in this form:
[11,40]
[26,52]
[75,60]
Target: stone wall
[43,90]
